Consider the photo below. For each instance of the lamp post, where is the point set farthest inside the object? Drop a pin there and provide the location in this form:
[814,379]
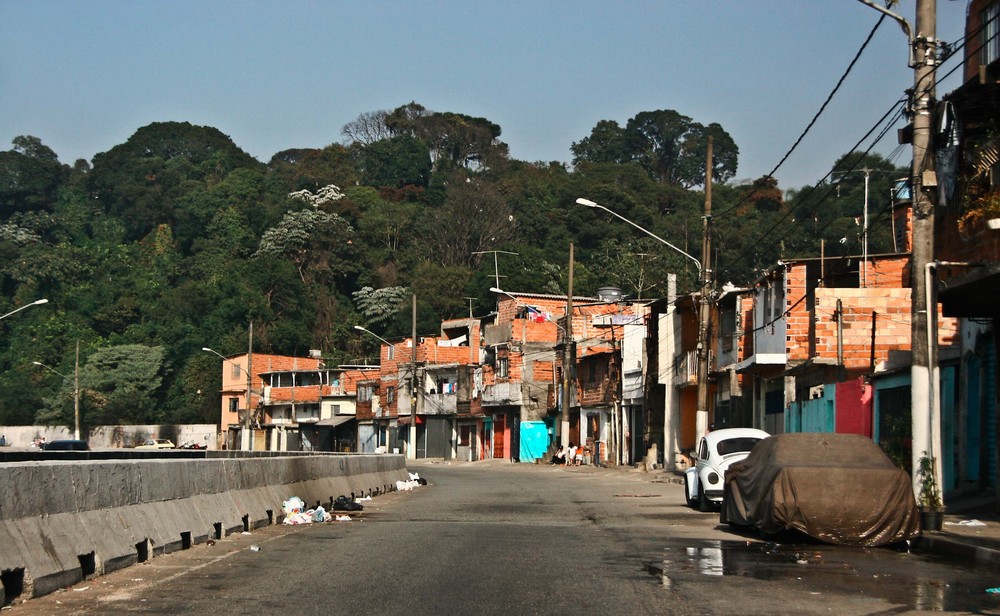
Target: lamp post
[589,203]
[76,388]
[37,302]
[412,445]
[704,318]
[246,441]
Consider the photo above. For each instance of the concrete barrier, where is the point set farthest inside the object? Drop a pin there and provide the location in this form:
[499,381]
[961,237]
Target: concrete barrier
[65,521]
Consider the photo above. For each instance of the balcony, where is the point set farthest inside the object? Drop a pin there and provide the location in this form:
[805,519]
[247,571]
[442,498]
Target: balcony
[440,404]
[502,394]
[686,369]
[597,393]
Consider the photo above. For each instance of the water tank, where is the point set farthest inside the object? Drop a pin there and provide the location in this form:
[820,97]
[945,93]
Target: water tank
[609,294]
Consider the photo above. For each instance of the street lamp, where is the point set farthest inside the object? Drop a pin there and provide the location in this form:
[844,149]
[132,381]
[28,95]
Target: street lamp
[76,388]
[246,419]
[37,302]
[590,203]
[705,316]
[366,330]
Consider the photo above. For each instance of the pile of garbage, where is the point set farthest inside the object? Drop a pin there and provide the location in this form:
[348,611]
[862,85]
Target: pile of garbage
[296,512]
[414,481]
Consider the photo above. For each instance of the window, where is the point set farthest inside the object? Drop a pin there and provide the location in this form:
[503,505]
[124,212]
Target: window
[503,367]
[364,393]
[234,405]
[391,352]
[237,370]
[991,33]
[390,395]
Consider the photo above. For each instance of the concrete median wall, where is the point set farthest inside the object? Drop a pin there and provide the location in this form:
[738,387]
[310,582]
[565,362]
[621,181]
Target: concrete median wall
[61,522]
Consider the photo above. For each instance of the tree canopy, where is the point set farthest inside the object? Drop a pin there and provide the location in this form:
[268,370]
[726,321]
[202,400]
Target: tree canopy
[177,240]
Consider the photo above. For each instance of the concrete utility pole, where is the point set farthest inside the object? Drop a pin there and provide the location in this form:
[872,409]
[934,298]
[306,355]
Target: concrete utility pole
[569,356]
[247,439]
[76,393]
[705,305]
[925,423]
[414,386]
[924,377]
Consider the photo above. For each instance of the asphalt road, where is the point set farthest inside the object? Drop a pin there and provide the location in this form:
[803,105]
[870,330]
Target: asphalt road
[492,538]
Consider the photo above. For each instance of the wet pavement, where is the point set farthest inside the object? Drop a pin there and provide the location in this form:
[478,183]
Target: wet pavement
[632,535]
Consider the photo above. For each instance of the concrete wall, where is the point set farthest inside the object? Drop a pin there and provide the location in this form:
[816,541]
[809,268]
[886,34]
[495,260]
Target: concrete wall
[206,435]
[61,522]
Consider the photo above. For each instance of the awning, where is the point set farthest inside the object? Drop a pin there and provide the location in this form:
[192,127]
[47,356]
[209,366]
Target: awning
[335,421]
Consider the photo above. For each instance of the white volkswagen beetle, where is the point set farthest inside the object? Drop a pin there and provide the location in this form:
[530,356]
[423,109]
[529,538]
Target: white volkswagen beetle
[717,450]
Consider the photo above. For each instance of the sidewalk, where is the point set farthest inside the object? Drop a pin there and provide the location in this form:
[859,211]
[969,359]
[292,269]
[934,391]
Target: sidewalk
[963,537]
[972,533]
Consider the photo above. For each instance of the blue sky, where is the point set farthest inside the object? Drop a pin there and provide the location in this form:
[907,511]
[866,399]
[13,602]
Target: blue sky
[84,76]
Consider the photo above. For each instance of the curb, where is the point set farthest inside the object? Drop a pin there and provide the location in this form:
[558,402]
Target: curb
[939,544]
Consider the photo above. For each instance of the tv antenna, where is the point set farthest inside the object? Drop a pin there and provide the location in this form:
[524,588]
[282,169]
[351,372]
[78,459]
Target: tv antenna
[496,265]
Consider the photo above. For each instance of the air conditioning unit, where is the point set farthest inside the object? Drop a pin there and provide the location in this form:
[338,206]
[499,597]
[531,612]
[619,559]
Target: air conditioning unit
[315,353]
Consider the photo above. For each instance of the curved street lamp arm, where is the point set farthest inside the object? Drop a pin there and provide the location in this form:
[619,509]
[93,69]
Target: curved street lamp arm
[589,203]
[37,302]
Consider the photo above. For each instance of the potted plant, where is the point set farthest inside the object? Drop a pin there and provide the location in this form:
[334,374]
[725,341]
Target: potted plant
[929,498]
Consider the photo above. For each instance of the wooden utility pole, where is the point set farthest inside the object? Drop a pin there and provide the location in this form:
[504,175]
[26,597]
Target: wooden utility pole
[705,304]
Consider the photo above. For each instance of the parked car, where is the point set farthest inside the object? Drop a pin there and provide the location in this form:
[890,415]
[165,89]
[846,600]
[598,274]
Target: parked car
[156,443]
[716,452]
[66,445]
[836,488]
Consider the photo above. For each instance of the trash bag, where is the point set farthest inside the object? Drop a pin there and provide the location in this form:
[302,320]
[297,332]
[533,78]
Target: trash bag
[320,515]
[342,503]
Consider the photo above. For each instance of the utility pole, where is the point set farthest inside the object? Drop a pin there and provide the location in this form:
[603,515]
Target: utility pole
[76,393]
[924,377]
[569,356]
[925,423]
[705,304]
[247,438]
[414,382]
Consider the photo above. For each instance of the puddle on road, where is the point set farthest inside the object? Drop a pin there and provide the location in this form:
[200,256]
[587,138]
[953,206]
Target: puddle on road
[894,575]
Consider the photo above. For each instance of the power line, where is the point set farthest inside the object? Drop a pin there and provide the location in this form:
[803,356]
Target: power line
[822,108]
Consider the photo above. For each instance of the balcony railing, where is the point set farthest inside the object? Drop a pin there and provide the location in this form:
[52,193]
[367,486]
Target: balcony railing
[440,404]
[502,394]
[686,368]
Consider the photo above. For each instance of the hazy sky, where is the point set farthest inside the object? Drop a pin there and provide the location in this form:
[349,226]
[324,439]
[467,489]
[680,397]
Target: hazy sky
[84,76]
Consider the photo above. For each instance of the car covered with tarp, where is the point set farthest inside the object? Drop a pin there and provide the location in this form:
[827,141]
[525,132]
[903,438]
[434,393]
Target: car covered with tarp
[836,488]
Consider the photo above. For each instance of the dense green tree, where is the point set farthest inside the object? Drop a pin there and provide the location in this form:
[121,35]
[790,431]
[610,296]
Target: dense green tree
[311,168]
[671,147]
[455,140]
[30,177]
[120,384]
[395,162]
[141,180]
[475,218]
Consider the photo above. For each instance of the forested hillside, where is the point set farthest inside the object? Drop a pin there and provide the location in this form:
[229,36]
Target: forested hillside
[177,239]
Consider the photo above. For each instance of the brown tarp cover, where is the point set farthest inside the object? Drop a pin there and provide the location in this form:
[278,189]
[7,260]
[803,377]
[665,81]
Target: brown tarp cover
[837,488]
